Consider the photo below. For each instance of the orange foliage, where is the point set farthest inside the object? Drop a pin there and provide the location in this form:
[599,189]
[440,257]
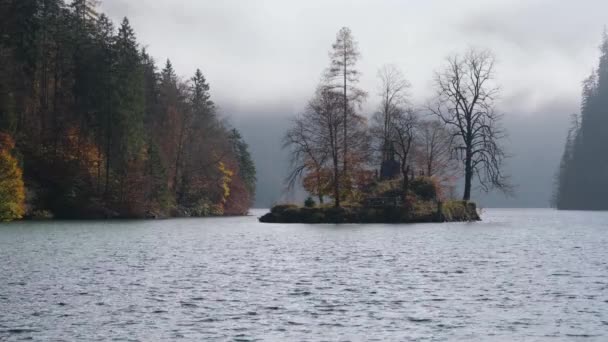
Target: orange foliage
[239,201]
[12,189]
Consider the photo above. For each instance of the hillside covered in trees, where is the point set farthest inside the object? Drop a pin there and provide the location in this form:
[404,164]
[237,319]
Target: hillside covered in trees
[94,129]
[581,182]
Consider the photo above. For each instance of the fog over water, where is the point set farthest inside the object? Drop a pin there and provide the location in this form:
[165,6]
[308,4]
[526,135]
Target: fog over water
[263,60]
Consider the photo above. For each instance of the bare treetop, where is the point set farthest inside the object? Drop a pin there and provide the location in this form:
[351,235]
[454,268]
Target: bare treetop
[465,102]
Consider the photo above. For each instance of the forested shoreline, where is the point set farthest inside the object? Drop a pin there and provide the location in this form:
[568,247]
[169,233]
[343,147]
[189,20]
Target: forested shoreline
[91,128]
[581,182]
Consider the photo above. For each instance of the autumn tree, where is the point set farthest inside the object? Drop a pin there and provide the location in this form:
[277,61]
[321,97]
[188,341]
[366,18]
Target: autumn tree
[308,155]
[316,142]
[465,102]
[12,190]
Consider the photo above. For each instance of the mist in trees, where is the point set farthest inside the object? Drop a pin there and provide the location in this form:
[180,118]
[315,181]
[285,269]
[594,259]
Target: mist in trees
[337,153]
[581,182]
[100,131]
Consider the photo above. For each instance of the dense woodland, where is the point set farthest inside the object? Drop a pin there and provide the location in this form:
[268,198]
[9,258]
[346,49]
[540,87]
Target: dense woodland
[403,150]
[581,182]
[91,127]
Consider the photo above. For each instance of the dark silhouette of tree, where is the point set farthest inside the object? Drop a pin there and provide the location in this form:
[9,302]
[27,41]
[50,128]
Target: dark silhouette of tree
[465,102]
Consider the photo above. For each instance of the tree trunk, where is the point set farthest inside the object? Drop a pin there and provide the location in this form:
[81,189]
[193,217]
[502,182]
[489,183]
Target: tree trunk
[319,193]
[468,177]
[345,104]
[108,153]
[405,170]
[336,183]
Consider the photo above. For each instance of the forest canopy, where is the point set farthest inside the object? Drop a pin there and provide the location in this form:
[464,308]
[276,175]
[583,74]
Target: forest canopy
[101,131]
[581,182]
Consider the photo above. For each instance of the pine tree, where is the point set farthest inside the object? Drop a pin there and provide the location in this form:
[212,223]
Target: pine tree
[247,171]
[343,76]
[85,9]
[129,112]
[581,181]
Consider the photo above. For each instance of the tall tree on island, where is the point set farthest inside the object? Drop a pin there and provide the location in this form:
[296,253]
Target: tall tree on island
[343,76]
[465,102]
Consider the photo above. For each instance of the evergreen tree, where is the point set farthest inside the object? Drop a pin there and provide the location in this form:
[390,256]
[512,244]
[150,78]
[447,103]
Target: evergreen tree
[129,111]
[581,182]
[247,170]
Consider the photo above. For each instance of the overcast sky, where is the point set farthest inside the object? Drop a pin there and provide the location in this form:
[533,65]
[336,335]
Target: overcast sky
[263,58]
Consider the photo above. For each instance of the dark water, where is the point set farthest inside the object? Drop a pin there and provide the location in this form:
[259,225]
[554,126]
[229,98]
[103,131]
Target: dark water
[522,275]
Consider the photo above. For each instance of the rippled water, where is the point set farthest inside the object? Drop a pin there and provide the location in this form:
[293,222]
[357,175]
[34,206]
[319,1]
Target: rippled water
[521,275]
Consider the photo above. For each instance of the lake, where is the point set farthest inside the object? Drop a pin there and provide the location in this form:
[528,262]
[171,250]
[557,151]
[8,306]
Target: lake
[521,275]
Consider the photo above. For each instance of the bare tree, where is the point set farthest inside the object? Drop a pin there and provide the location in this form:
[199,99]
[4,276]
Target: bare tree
[306,155]
[342,75]
[435,155]
[316,142]
[403,138]
[465,102]
[393,98]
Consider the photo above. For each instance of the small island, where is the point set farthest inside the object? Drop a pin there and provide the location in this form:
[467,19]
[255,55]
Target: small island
[420,206]
[453,211]
[401,163]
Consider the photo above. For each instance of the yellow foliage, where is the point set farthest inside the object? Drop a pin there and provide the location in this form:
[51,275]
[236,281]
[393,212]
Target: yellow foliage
[12,189]
[226,179]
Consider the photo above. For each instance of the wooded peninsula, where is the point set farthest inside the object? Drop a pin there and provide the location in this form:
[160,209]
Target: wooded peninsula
[90,128]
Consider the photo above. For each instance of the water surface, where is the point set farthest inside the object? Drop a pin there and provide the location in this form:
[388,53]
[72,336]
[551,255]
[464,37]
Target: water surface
[521,275]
